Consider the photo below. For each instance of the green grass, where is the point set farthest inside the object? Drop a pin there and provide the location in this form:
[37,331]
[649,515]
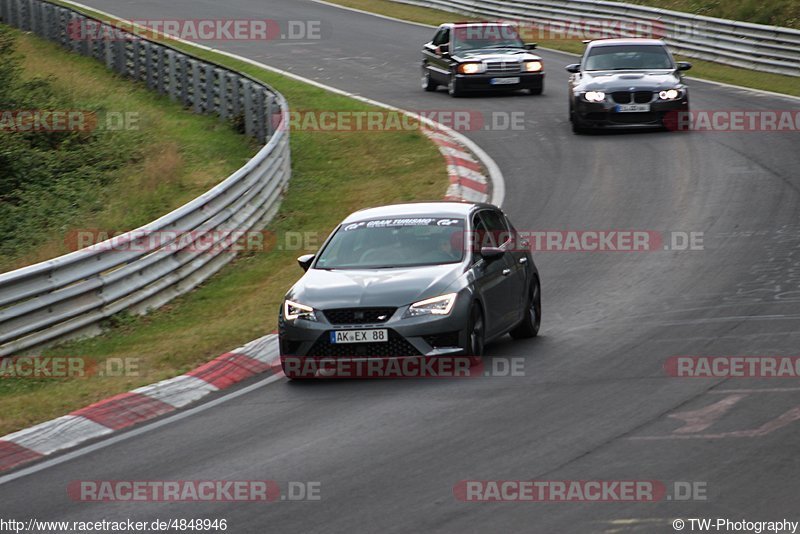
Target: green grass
[137,174]
[773,12]
[333,175]
[789,85]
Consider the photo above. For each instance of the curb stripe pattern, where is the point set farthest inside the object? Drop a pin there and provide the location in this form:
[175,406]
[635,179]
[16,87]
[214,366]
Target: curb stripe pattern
[142,404]
[468,178]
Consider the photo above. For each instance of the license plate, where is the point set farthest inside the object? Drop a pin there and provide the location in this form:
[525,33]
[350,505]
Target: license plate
[504,81]
[360,336]
[633,108]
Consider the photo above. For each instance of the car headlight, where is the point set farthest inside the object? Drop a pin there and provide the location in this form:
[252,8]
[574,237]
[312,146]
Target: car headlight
[594,96]
[294,310]
[441,305]
[533,66]
[669,94]
[471,68]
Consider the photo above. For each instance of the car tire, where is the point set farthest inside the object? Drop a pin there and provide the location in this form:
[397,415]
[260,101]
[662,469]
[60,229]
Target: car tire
[427,82]
[476,335]
[577,128]
[529,327]
[536,91]
[453,87]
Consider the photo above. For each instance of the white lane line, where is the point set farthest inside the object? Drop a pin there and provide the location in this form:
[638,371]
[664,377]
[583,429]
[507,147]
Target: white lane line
[571,54]
[137,431]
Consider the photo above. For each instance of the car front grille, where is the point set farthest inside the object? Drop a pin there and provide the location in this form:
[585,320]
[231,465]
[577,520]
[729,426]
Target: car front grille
[396,346]
[503,67]
[634,118]
[639,97]
[359,315]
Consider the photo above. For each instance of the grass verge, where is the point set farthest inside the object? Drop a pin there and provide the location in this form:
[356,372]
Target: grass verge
[717,72]
[333,175]
[118,179]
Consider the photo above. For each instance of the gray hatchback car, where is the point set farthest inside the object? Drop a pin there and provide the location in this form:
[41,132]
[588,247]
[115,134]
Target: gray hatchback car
[422,280]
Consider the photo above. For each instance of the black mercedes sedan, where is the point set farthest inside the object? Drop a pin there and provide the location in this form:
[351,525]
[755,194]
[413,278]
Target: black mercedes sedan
[626,83]
[410,281]
[480,56]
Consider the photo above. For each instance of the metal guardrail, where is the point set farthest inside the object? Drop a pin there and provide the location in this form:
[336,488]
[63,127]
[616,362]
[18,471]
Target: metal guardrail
[71,295]
[741,44]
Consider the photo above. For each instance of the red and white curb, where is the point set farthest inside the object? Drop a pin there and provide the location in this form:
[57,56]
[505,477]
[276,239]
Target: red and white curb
[259,357]
[468,178]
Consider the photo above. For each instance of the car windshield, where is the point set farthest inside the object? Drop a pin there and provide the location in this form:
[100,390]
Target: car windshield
[481,36]
[628,57]
[394,242]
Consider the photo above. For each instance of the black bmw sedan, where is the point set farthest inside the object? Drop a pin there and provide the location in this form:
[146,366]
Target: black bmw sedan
[424,280]
[626,83]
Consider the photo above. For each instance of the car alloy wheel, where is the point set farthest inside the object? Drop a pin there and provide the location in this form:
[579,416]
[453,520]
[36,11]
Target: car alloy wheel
[529,327]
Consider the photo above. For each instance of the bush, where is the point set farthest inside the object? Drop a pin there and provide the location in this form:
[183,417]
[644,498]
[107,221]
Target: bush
[49,178]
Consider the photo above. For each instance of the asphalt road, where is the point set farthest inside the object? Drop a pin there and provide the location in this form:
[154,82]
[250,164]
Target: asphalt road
[594,402]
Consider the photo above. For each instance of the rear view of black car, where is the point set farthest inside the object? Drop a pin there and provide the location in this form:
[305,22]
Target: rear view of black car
[480,56]
[626,83]
[408,282]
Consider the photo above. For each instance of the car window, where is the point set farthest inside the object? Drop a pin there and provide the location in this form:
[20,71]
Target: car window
[479,237]
[627,57]
[394,242]
[479,36]
[441,37]
[496,226]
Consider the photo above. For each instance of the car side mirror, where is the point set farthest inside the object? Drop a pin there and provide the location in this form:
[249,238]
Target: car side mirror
[491,253]
[443,50]
[684,65]
[574,68]
[531,46]
[305,261]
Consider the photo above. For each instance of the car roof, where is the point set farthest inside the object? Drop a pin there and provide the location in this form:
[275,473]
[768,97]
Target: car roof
[626,41]
[418,209]
[477,23]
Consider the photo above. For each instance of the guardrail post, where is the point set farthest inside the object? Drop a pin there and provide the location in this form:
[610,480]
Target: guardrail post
[249,123]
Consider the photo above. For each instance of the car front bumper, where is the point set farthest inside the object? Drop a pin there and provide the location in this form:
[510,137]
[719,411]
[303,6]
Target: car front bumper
[605,114]
[306,344]
[483,82]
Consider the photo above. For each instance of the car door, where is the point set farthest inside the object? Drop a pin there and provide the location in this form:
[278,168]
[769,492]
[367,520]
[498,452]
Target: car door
[515,269]
[493,280]
[434,60]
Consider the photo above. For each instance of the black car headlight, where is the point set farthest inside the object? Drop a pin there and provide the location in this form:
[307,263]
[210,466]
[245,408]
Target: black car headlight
[295,310]
[441,305]
[670,94]
[594,96]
